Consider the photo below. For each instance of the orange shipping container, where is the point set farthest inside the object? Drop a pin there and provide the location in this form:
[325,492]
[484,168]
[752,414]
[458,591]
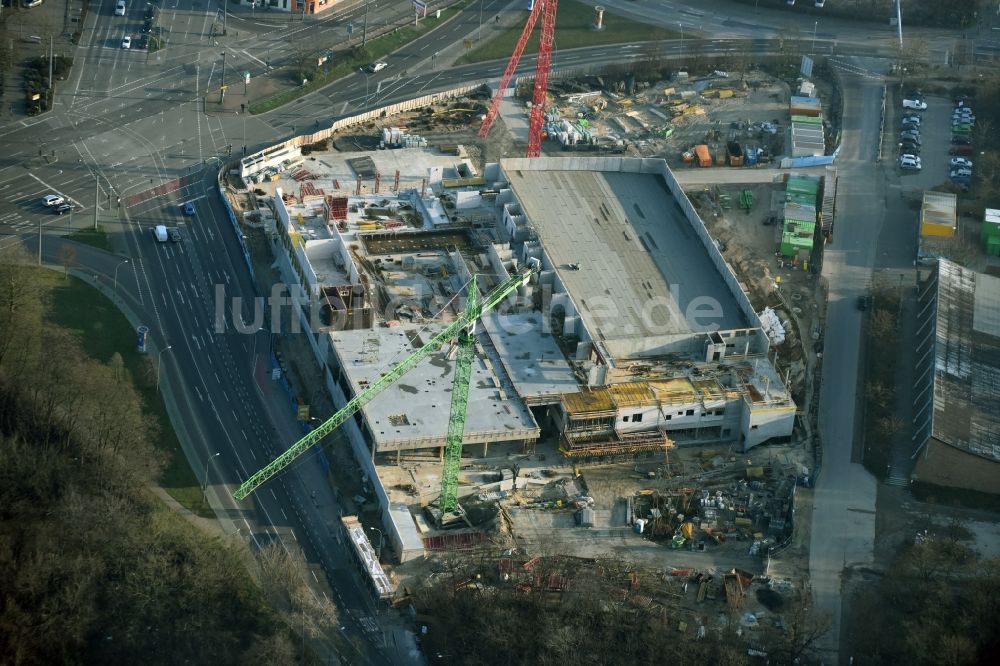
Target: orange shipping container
[704,157]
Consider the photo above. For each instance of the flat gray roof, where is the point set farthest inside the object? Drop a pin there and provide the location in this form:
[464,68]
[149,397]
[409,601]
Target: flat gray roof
[532,359]
[634,247]
[413,412]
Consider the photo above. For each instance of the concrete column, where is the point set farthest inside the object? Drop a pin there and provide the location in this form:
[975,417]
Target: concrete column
[599,18]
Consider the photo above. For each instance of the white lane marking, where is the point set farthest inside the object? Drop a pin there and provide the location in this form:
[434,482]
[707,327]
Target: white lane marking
[252,57]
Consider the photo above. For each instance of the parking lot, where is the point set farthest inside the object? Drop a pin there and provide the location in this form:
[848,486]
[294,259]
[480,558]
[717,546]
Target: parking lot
[935,138]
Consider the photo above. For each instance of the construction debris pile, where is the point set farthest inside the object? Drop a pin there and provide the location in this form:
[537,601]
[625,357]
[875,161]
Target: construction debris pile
[604,114]
[755,509]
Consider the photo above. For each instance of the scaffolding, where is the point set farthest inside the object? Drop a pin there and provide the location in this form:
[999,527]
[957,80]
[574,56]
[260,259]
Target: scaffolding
[592,446]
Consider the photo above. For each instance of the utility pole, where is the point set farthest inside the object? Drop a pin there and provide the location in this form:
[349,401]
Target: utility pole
[225,10]
[39,241]
[52,92]
[479,35]
[97,199]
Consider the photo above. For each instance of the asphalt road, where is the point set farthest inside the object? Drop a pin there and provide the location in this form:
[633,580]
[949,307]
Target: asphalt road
[843,522]
[128,120]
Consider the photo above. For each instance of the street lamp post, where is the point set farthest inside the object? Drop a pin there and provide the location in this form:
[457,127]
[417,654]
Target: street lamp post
[115,292]
[222,85]
[381,537]
[815,25]
[362,70]
[479,35]
[364,30]
[681,26]
[159,358]
[204,484]
[225,10]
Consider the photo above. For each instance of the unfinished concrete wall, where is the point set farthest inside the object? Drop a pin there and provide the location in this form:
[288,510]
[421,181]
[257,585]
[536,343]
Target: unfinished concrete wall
[760,423]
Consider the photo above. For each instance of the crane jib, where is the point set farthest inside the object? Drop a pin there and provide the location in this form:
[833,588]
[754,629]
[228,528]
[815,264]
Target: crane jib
[493,299]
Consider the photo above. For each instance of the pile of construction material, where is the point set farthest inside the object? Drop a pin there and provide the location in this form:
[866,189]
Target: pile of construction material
[396,137]
[772,326]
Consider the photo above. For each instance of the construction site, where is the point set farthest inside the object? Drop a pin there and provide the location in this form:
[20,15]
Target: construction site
[545,362]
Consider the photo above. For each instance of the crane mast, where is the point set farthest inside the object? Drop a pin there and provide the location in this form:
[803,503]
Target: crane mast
[458,328]
[547,10]
[459,409]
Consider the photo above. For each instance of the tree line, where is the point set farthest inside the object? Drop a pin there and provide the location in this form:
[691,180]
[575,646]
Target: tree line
[94,568]
[938,603]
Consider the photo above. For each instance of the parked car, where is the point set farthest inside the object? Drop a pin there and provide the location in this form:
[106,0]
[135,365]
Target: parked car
[960,162]
[960,173]
[126,42]
[964,111]
[916,104]
[376,67]
[961,141]
[909,126]
[59,209]
[909,148]
[52,200]
[911,136]
[910,156]
[909,163]
[175,235]
[915,119]
[189,208]
[962,129]
[961,150]
[120,8]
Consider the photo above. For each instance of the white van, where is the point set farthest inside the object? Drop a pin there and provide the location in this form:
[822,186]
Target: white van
[160,233]
[120,8]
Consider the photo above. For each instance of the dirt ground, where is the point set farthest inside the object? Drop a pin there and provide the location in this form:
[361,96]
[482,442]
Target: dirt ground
[750,248]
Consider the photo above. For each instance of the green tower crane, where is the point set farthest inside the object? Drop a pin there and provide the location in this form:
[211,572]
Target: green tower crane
[466,348]
[463,328]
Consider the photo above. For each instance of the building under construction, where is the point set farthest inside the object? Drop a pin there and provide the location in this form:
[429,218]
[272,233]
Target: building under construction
[633,334]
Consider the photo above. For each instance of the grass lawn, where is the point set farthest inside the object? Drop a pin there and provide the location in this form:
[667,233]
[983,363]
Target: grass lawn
[89,236]
[103,331]
[574,28]
[375,49]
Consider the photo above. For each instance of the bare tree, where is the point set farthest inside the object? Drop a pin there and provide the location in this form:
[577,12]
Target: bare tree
[290,596]
[803,628]
[879,394]
[67,257]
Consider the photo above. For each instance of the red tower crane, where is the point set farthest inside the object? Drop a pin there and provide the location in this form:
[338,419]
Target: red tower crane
[547,8]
